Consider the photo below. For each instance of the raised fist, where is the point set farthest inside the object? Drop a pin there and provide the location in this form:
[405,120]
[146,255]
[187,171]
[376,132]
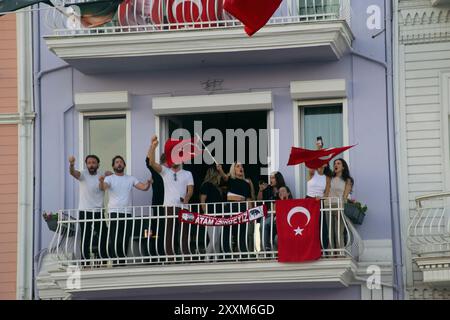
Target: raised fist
[155,141]
[72,160]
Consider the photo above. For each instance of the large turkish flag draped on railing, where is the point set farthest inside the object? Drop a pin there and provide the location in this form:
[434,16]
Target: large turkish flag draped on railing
[298,229]
[314,159]
[254,14]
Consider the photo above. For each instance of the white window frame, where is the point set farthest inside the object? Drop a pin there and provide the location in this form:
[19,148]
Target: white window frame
[161,130]
[82,133]
[298,135]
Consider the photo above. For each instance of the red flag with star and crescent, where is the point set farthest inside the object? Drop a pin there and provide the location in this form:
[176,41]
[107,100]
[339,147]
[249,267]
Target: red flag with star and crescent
[298,228]
[180,151]
[314,159]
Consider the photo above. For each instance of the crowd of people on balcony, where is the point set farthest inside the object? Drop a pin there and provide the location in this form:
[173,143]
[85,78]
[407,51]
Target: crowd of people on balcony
[220,194]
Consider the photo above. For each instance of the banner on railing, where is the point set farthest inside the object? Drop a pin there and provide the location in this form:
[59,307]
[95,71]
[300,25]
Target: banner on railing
[207,220]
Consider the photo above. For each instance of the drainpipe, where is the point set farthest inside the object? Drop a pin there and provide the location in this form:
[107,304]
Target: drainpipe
[25,126]
[396,215]
[393,185]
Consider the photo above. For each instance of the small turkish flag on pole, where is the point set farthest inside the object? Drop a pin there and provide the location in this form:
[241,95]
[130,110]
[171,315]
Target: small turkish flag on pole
[314,159]
[254,14]
[179,151]
[298,230]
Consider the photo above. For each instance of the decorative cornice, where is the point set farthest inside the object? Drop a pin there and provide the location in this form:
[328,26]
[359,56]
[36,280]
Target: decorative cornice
[336,36]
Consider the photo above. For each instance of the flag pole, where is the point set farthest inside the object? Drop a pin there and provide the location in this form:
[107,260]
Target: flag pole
[206,148]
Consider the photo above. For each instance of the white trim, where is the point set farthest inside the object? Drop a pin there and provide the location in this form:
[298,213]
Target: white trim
[102,101]
[296,127]
[82,133]
[445,87]
[248,101]
[274,143]
[334,36]
[402,162]
[158,132]
[318,89]
[298,118]
[330,273]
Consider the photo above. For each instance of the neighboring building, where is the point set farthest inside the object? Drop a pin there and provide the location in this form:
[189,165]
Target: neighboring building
[319,68]
[422,85]
[16,195]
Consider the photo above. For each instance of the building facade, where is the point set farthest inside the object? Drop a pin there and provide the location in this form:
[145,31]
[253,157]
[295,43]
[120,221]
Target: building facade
[319,68]
[422,87]
[16,188]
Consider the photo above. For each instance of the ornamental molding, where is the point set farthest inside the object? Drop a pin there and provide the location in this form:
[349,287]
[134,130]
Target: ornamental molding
[424,25]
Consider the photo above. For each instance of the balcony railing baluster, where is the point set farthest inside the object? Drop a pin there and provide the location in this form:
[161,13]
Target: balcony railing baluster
[101,239]
[157,16]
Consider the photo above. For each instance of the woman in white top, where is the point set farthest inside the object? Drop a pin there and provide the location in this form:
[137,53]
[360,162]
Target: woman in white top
[317,182]
[339,186]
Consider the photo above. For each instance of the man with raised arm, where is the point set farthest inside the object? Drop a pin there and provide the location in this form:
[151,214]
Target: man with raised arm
[120,186]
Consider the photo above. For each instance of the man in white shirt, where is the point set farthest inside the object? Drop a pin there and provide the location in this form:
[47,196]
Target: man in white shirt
[178,190]
[120,186]
[90,202]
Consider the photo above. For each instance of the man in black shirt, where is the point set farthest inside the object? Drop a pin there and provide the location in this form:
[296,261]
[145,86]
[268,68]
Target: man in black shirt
[157,247]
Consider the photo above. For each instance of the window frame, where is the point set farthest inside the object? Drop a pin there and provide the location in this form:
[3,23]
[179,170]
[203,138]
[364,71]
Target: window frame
[298,118]
[83,130]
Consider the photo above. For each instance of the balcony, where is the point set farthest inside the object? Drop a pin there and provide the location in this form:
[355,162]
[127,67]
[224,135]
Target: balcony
[141,38]
[166,256]
[429,238]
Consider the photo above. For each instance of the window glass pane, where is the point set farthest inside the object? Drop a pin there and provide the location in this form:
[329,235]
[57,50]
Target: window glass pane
[325,122]
[107,138]
[317,7]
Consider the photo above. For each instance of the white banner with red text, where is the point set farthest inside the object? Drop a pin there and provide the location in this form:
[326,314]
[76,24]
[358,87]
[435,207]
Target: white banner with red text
[207,220]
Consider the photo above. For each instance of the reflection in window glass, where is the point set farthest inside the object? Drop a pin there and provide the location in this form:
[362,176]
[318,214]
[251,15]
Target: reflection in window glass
[107,138]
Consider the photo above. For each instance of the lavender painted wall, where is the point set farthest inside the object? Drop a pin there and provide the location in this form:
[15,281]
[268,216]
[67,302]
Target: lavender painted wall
[366,103]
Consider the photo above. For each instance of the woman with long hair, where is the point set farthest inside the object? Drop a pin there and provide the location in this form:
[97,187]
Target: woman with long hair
[338,189]
[269,193]
[239,193]
[210,198]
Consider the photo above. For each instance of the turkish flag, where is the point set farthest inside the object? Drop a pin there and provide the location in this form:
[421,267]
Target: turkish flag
[179,151]
[254,14]
[298,229]
[135,12]
[314,159]
[181,11]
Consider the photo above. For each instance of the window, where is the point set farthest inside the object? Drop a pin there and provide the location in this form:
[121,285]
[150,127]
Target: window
[324,121]
[314,118]
[105,135]
[319,7]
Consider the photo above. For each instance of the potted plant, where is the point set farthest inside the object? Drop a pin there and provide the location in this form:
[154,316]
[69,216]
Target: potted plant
[52,220]
[355,211]
[52,223]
